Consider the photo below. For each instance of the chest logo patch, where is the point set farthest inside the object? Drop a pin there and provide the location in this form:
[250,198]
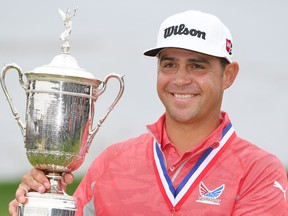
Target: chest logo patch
[210,196]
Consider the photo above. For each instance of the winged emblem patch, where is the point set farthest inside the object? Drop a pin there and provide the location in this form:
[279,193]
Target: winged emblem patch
[210,196]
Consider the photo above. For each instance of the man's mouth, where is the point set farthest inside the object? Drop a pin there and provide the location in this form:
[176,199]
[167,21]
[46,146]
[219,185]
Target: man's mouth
[183,96]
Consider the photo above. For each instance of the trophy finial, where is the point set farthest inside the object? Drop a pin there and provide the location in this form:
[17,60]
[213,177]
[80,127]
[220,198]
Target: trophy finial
[67,18]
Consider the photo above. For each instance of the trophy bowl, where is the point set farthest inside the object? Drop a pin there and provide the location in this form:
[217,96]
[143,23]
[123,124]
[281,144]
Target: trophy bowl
[59,114]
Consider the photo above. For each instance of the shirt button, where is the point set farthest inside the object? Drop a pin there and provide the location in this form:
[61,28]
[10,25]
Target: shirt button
[172,168]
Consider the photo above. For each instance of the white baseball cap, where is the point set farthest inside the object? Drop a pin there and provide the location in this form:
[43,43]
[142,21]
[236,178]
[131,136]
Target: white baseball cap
[196,31]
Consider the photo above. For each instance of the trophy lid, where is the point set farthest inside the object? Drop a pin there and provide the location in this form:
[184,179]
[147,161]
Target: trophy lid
[64,64]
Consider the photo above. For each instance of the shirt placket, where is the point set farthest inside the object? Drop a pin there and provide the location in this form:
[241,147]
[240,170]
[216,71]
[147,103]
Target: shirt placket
[178,170]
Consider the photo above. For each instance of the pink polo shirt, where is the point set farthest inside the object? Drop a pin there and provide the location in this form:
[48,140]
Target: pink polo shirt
[147,176]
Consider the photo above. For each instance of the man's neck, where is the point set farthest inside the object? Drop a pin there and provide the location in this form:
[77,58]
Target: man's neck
[186,136]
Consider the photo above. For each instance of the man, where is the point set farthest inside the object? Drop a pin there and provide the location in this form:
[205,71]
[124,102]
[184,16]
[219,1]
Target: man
[191,162]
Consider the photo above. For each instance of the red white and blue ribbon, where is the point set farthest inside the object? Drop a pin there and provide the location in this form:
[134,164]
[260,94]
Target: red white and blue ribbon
[175,197]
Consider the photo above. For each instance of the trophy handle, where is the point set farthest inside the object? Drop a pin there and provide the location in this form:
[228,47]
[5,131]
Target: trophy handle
[6,68]
[93,132]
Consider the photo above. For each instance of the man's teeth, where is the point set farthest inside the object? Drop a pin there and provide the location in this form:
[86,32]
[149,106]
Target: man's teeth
[182,96]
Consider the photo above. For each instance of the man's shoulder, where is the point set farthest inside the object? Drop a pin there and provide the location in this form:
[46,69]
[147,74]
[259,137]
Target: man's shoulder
[121,152]
[135,142]
[242,146]
[262,177]
[131,146]
[250,154]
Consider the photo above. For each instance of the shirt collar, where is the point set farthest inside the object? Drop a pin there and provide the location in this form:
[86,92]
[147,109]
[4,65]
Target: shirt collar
[158,131]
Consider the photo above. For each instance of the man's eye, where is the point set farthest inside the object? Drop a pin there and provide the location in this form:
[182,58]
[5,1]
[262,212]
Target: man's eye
[169,65]
[197,66]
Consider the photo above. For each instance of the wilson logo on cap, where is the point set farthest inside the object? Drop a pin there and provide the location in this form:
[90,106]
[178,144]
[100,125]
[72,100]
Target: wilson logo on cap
[181,29]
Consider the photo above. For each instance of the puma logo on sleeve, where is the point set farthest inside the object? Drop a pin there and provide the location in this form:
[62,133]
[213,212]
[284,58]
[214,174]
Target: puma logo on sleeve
[278,185]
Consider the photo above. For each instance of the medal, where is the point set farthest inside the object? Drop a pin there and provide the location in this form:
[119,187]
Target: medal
[175,197]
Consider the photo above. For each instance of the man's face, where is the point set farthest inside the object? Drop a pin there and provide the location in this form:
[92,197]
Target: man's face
[190,85]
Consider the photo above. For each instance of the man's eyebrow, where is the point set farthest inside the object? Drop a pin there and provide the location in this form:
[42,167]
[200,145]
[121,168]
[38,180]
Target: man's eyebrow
[166,58]
[199,60]
[190,60]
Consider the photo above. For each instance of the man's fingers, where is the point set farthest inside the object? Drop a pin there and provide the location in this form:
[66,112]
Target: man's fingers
[21,193]
[68,178]
[24,188]
[37,180]
[40,177]
[13,207]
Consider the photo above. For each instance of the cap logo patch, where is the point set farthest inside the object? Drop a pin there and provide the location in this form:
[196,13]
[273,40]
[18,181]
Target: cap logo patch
[182,30]
[229,46]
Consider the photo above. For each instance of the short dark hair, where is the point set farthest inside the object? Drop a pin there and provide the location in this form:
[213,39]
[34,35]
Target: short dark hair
[223,62]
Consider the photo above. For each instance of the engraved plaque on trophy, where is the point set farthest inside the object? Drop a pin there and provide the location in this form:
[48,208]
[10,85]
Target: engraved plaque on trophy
[58,127]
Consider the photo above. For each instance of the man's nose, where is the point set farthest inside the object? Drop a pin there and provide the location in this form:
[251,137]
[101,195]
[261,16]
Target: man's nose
[182,76]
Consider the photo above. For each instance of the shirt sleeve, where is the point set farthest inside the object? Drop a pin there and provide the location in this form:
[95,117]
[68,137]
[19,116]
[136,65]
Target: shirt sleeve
[263,191]
[83,195]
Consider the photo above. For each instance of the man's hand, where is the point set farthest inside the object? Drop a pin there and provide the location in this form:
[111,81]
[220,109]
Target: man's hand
[34,180]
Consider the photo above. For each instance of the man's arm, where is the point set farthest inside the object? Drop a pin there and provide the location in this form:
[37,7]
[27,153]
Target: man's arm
[263,191]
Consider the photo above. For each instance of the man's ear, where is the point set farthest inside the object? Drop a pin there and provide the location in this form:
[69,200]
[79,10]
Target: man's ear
[230,74]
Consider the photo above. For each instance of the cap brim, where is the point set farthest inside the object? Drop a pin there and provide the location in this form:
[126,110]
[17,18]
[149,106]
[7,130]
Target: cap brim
[153,52]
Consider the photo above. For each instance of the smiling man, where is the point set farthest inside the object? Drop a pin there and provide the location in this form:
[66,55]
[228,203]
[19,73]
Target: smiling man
[190,162]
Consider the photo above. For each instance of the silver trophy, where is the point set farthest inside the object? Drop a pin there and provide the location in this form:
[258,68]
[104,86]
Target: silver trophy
[59,126]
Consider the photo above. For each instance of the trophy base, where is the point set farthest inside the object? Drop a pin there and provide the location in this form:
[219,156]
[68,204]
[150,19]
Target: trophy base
[47,204]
